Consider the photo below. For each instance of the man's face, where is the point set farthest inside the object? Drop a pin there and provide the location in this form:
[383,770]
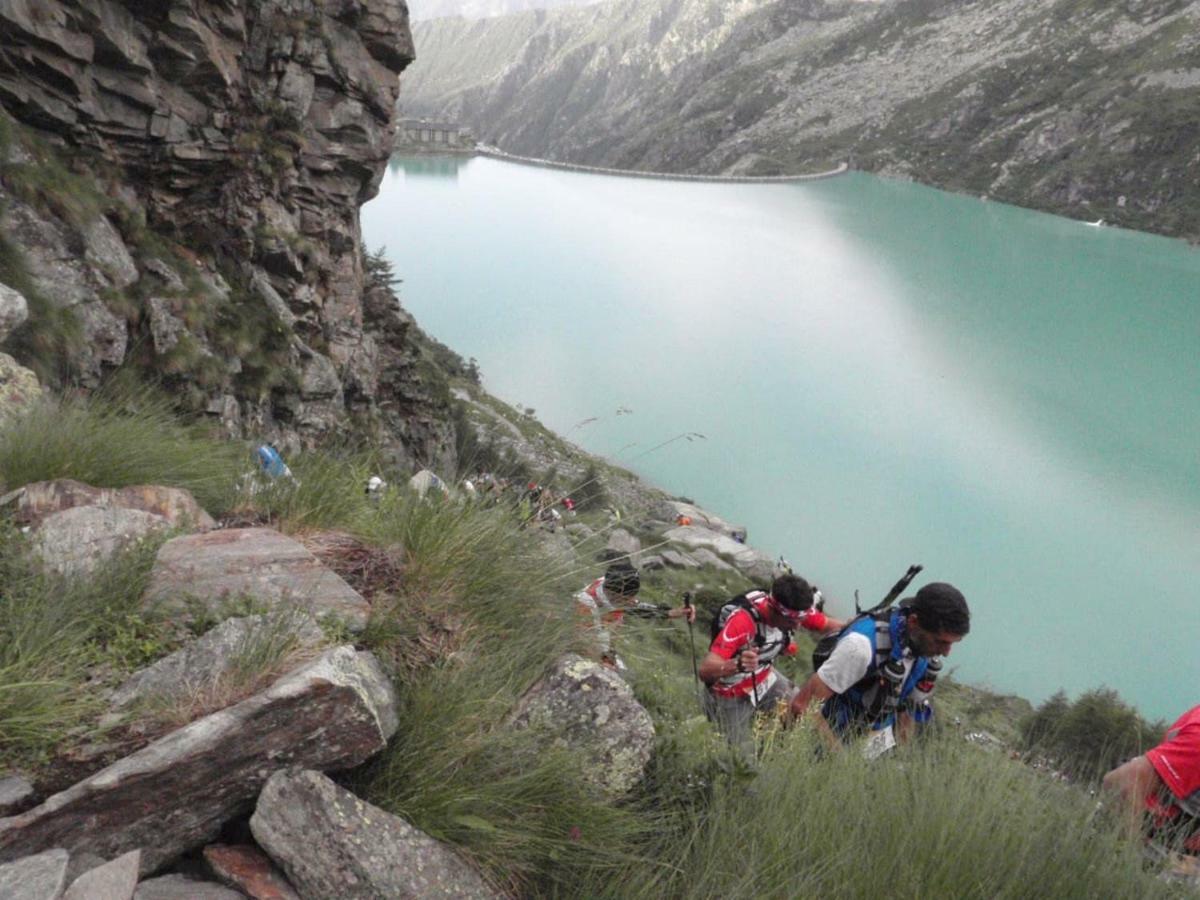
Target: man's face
[930,643]
[779,616]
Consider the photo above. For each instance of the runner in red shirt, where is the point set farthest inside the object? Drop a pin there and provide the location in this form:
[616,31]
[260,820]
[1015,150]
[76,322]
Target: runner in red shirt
[739,667]
[1164,785]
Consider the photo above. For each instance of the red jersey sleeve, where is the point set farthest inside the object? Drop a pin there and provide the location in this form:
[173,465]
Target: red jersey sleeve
[814,620]
[1177,759]
[738,631]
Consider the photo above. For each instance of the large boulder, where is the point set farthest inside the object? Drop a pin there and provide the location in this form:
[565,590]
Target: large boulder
[115,880]
[13,310]
[19,387]
[219,656]
[745,559]
[256,563]
[588,708]
[77,541]
[177,792]
[76,527]
[621,545]
[39,877]
[34,502]
[700,517]
[332,844]
[678,560]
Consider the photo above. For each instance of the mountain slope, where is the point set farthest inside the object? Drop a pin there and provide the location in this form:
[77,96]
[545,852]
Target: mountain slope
[1075,106]
[482,9]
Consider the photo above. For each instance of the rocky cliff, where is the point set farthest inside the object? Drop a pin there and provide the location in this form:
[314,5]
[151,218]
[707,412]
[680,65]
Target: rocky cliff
[1085,108]
[179,190]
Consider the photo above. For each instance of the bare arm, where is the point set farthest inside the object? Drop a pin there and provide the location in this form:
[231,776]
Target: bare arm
[1131,784]
[715,666]
[811,695]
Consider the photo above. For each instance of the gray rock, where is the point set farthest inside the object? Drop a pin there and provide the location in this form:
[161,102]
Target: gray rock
[114,880]
[621,545]
[177,792]
[40,877]
[219,653]
[19,387]
[332,844]
[258,563]
[166,328]
[13,310]
[705,557]
[588,708]
[653,563]
[678,560]
[743,557]
[180,887]
[15,794]
[105,250]
[76,541]
[39,499]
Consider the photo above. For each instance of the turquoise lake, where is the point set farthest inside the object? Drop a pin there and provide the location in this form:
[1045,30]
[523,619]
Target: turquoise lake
[883,374]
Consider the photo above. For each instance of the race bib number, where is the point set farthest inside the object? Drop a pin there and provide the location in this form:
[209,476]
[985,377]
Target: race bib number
[879,743]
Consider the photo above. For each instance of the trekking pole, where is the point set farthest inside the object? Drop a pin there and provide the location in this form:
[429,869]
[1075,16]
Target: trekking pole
[687,604]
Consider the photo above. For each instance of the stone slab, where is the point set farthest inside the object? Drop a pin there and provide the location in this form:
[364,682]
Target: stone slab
[115,880]
[39,877]
[257,563]
[176,793]
[333,844]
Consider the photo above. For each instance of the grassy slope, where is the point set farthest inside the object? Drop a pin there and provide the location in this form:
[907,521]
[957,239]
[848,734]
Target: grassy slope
[474,614]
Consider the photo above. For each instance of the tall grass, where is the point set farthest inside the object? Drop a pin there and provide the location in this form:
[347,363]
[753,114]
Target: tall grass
[942,819]
[128,435]
[53,630]
[480,614]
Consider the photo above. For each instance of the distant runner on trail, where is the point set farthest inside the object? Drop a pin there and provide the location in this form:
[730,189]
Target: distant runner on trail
[1159,792]
[751,630]
[878,678]
[609,599]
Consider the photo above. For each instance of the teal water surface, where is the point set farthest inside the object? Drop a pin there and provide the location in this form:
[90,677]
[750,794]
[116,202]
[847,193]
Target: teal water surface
[882,373]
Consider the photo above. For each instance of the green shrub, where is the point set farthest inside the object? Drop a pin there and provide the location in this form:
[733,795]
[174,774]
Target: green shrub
[1091,735]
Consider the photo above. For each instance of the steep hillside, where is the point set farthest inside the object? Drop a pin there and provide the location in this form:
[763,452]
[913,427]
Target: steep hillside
[482,9]
[1084,108]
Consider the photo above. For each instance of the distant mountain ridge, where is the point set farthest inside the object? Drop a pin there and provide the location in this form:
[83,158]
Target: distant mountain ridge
[482,9]
[1084,108]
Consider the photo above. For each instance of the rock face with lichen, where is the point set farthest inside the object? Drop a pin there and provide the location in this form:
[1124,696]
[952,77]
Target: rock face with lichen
[247,135]
[586,707]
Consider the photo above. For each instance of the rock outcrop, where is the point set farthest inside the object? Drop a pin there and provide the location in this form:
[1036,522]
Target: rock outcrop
[18,385]
[177,792]
[262,565]
[588,708]
[250,133]
[332,844]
